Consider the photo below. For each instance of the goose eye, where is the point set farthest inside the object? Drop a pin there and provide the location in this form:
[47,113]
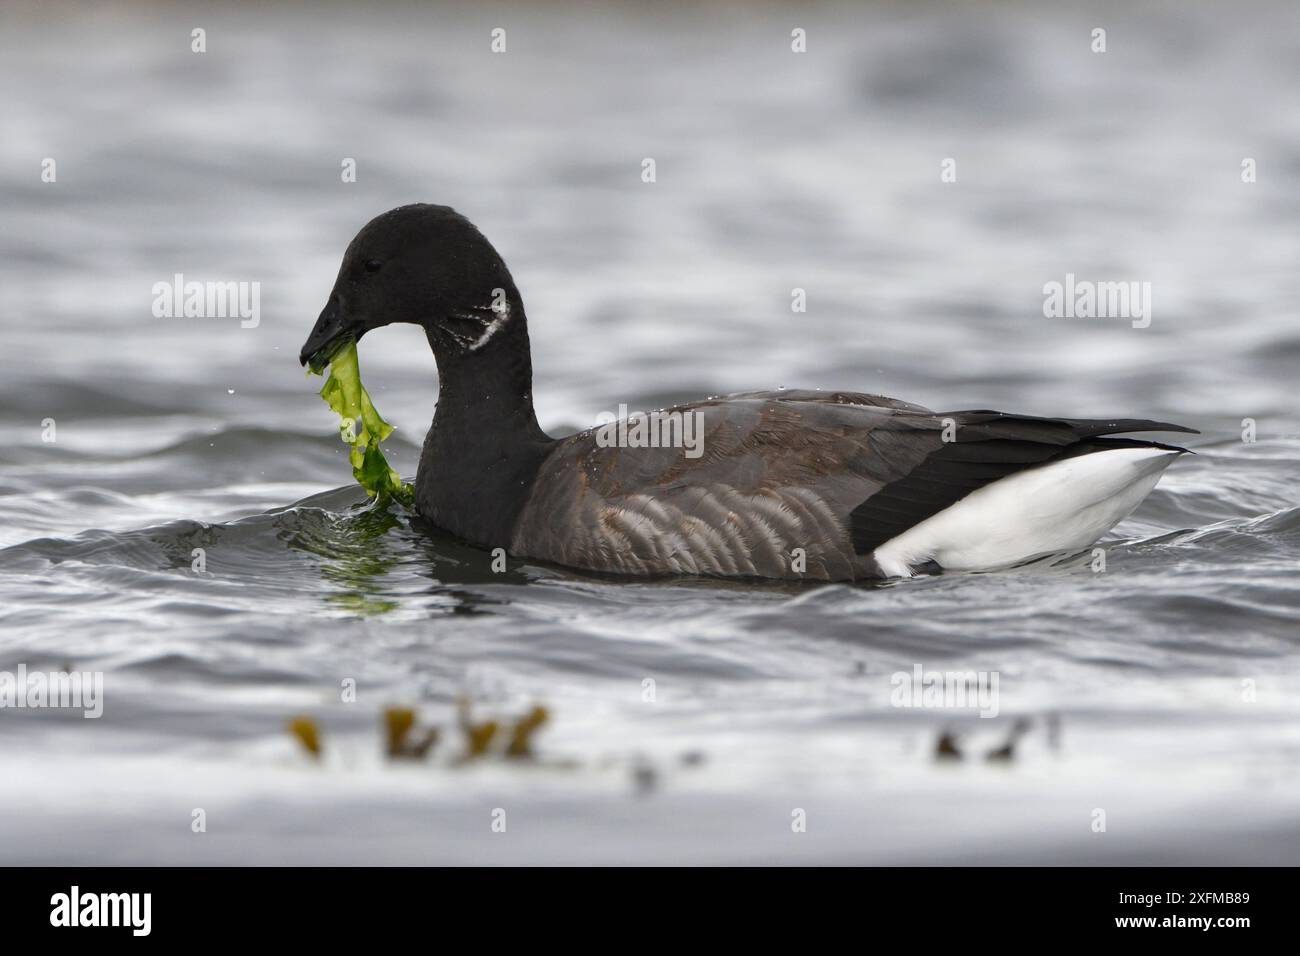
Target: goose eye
[373,265]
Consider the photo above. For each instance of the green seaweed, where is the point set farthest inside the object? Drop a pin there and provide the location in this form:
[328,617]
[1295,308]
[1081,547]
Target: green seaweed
[362,428]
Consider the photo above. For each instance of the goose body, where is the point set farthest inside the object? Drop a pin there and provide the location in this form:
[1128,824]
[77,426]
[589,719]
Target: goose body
[788,484]
[805,485]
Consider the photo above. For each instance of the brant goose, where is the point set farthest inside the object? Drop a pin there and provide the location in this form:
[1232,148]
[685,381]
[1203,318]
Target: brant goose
[786,484]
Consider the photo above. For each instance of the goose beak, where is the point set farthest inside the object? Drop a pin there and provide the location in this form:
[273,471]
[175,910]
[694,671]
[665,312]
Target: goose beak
[330,332]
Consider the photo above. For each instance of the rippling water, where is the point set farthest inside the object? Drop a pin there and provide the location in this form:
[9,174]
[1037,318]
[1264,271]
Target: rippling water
[1161,690]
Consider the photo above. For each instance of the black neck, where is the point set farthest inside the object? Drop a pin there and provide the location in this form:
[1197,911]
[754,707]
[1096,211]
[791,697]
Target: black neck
[485,446]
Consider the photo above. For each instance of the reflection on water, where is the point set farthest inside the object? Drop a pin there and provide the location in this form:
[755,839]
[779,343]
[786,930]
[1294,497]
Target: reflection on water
[353,553]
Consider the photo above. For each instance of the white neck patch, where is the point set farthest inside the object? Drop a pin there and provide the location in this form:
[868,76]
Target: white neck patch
[500,316]
[493,318]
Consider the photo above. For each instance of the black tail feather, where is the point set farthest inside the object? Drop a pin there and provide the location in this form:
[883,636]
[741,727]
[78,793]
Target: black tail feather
[987,447]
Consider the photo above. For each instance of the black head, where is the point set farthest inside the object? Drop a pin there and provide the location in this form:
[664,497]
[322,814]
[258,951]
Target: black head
[422,264]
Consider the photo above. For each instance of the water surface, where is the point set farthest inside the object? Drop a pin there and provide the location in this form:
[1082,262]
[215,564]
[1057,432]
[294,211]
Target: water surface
[1162,690]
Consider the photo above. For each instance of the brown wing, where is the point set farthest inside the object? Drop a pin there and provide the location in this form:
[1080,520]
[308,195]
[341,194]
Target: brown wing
[777,471]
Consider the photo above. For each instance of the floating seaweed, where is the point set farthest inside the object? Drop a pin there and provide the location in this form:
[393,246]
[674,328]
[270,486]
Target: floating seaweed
[521,740]
[478,737]
[946,747]
[307,732]
[398,724]
[403,739]
[1007,752]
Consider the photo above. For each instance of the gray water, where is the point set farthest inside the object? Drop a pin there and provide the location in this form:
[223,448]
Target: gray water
[1161,690]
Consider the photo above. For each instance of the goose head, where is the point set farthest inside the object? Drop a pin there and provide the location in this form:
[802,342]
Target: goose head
[429,266]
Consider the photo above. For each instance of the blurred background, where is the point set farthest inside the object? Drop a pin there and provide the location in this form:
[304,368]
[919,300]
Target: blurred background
[774,171]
